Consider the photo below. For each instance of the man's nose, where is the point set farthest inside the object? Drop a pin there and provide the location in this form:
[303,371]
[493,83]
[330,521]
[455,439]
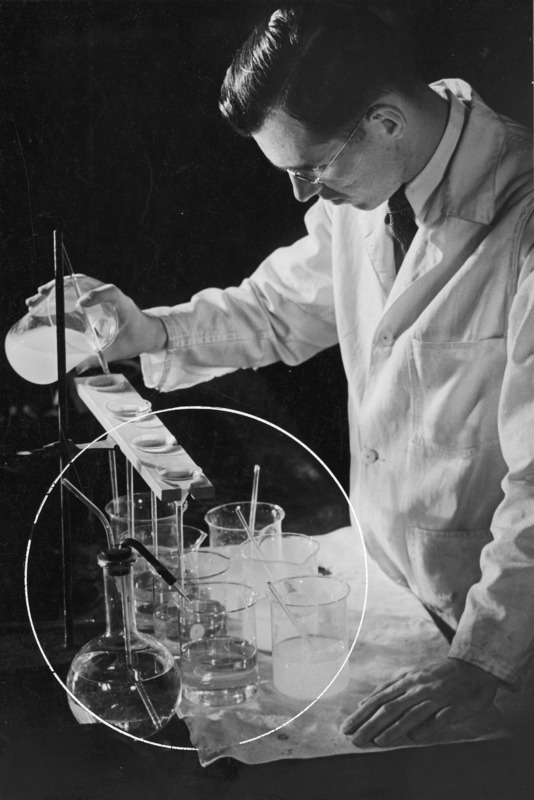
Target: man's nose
[302,189]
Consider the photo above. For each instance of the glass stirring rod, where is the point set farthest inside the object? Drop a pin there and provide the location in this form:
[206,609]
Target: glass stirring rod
[99,352]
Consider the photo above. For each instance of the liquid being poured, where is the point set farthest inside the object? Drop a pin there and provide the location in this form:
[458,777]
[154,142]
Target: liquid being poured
[33,353]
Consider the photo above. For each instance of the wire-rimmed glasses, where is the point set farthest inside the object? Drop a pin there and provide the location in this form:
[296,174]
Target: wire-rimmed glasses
[319,177]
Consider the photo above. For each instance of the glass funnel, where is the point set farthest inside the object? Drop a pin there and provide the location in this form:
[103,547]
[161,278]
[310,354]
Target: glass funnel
[125,678]
[31,346]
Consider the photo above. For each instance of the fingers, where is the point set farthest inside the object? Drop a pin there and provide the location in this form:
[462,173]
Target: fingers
[421,703]
[101,294]
[371,705]
[414,717]
[34,299]
[440,720]
[392,720]
[383,686]
[44,290]
[46,287]
[107,293]
[420,723]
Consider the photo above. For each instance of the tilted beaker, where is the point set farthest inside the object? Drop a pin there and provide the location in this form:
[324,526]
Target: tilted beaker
[31,345]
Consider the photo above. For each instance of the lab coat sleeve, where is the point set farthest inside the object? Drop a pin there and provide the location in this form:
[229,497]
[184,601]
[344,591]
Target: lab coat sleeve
[283,312]
[496,630]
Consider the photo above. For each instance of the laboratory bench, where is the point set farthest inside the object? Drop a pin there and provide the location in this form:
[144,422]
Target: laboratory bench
[46,755]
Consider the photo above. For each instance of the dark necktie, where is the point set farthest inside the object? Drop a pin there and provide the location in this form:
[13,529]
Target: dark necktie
[400,220]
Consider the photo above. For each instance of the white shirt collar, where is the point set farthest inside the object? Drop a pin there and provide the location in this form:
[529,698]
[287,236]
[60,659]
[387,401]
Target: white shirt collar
[420,189]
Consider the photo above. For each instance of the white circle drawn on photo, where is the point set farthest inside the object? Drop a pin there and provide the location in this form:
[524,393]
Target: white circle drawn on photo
[148,421]
[356,633]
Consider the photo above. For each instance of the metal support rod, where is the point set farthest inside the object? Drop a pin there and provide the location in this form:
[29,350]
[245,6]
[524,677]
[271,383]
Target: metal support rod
[63,394]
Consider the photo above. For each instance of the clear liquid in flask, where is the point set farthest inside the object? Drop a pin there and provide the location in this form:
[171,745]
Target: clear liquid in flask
[102,682]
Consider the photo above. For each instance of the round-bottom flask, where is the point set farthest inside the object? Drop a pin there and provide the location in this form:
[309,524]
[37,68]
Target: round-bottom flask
[125,678]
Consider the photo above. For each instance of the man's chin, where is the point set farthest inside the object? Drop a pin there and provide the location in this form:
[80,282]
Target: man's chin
[337,201]
[365,205]
[362,205]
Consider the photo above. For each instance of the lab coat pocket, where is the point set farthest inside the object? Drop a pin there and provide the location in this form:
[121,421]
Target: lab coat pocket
[445,564]
[456,388]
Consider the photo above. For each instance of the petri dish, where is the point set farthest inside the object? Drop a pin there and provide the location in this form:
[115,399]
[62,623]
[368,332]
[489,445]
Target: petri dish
[128,409]
[156,443]
[107,383]
[178,474]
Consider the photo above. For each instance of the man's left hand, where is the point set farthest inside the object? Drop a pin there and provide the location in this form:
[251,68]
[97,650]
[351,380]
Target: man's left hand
[419,703]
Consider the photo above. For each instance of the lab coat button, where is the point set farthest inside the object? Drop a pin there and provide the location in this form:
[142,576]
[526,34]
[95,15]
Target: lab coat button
[386,338]
[369,456]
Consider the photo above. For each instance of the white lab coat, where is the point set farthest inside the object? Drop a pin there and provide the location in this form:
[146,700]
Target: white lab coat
[440,368]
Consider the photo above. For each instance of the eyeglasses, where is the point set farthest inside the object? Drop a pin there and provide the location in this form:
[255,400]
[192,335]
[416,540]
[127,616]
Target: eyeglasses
[318,179]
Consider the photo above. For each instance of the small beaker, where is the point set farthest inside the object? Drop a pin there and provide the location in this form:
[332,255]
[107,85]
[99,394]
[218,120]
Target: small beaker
[196,567]
[303,666]
[275,556]
[31,344]
[119,512]
[219,661]
[225,528]
[165,547]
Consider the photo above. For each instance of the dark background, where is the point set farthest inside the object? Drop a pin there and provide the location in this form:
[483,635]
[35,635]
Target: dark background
[110,131]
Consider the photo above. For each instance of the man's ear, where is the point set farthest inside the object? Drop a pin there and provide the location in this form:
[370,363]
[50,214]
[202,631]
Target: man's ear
[391,118]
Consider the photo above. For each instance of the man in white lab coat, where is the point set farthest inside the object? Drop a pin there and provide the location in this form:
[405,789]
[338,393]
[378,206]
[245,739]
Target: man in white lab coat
[431,299]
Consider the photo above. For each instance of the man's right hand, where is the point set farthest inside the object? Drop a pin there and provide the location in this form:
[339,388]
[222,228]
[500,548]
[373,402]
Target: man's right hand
[137,332]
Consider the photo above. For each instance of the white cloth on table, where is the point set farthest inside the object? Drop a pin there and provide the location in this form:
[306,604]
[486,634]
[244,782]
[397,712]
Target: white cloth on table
[396,633]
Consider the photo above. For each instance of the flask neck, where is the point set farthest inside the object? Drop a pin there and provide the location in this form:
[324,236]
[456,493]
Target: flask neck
[119,599]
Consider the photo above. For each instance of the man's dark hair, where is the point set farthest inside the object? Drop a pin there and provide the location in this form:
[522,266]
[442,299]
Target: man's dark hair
[324,63]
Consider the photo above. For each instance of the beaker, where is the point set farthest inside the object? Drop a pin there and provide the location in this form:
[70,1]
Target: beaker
[225,529]
[219,662]
[196,567]
[124,677]
[165,548]
[119,512]
[31,344]
[273,557]
[303,666]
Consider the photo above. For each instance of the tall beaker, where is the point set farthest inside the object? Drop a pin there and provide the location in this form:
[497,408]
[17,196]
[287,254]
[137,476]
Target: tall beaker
[305,665]
[124,677]
[271,558]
